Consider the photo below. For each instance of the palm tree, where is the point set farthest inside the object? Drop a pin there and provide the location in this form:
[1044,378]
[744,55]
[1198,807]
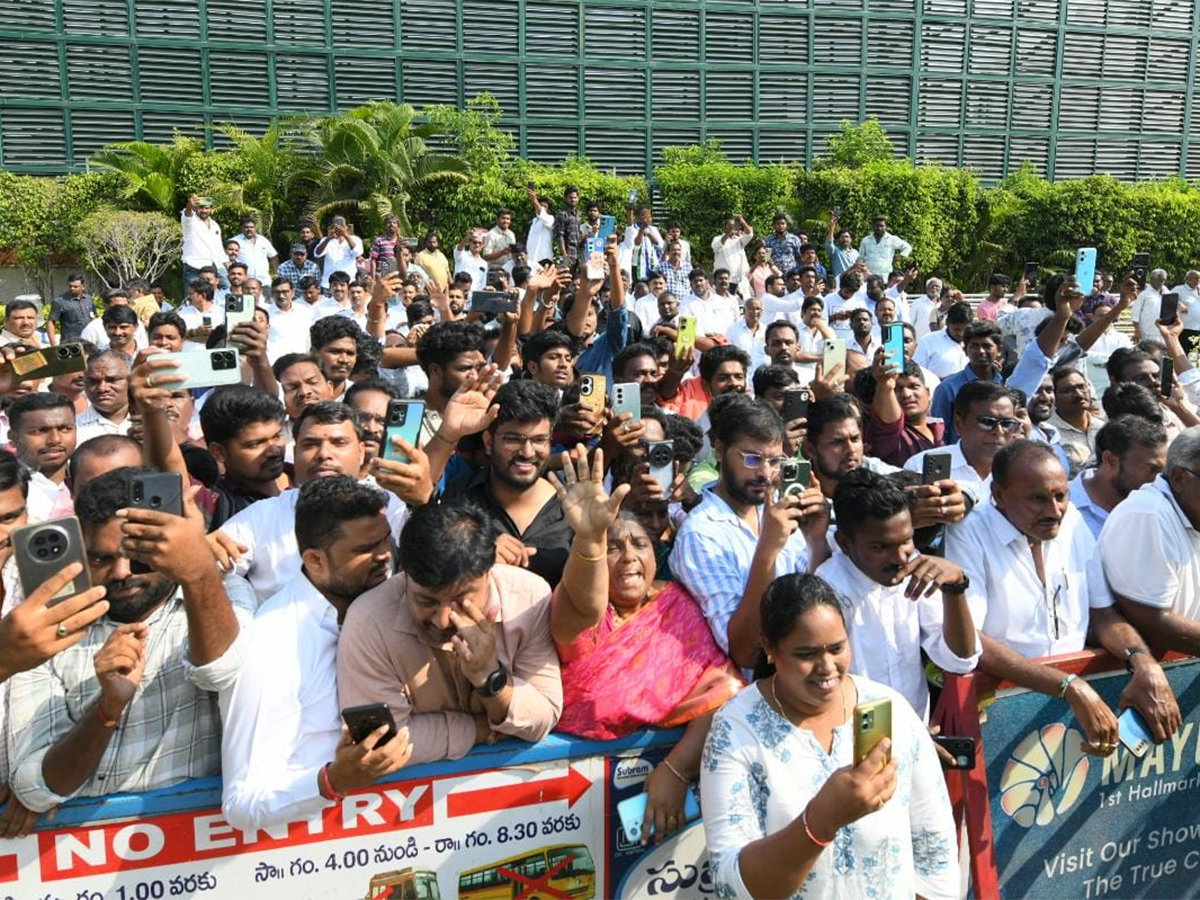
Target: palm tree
[274,170]
[153,173]
[371,160]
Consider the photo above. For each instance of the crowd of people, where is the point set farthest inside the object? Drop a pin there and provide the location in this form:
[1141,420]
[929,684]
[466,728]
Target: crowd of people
[769,537]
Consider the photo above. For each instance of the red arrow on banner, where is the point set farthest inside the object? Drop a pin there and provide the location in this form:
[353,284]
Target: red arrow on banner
[569,787]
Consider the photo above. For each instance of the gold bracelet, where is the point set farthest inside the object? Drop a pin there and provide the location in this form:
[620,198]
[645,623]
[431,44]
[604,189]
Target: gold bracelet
[445,440]
[591,559]
[674,771]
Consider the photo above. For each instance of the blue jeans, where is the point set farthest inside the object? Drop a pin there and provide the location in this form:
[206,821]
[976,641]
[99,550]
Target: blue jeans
[190,274]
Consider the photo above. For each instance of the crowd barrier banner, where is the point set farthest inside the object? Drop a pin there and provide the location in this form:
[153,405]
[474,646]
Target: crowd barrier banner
[511,821]
[1055,822]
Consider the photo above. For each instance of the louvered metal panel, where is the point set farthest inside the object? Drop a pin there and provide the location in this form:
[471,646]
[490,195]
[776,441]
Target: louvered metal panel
[28,15]
[17,58]
[834,98]
[1168,60]
[498,78]
[621,149]
[676,95]
[729,95]
[551,91]
[780,146]
[547,144]
[937,148]
[171,75]
[1037,10]
[1163,111]
[1131,50]
[252,124]
[302,82]
[33,136]
[352,29]
[942,47]
[359,80]
[424,25]
[993,9]
[614,32]
[1117,158]
[99,73]
[429,81]
[489,26]
[940,103]
[729,37]
[1032,104]
[1129,13]
[1080,108]
[1082,58]
[946,7]
[892,5]
[1158,159]
[108,18]
[1174,14]
[664,138]
[781,39]
[781,96]
[92,129]
[1086,12]
[985,154]
[178,18]
[889,43]
[737,143]
[238,79]
[1192,170]
[888,99]
[837,41]
[298,21]
[159,126]
[1035,52]
[1028,149]
[551,29]
[987,105]
[991,50]
[236,20]
[1074,158]
[613,94]
[676,34]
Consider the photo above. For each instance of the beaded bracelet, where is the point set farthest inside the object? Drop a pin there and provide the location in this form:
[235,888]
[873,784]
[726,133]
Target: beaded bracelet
[1063,685]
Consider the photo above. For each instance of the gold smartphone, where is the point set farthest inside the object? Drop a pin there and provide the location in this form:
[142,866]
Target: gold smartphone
[872,723]
[686,337]
[593,396]
[50,361]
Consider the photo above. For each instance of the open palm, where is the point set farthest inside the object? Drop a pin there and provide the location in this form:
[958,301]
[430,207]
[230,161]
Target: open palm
[588,509]
[470,410]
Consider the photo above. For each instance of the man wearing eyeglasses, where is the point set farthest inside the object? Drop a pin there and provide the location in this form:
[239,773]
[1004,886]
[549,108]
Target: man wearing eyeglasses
[1041,587]
[512,488]
[1074,416]
[986,418]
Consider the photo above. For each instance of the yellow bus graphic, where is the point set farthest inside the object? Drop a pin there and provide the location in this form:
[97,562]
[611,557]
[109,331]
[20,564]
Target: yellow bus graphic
[404,884]
[562,872]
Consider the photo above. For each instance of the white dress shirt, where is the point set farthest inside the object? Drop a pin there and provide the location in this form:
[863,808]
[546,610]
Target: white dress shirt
[646,309]
[340,256]
[94,332]
[202,244]
[268,529]
[753,342]
[194,318]
[941,354]
[44,497]
[923,309]
[282,724]
[1145,311]
[888,631]
[256,255]
[289,331]
[961,471]
[90,423]
[539,244]
[1151,552]
[787,308]
[1012,605]
[714,313]
[730,253]
[835,303]
[475,266]
[1191,299]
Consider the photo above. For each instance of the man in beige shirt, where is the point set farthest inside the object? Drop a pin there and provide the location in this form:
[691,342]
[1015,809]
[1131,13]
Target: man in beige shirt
[458,647]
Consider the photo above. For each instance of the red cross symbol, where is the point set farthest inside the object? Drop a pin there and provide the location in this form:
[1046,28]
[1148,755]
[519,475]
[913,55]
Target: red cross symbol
[538,885]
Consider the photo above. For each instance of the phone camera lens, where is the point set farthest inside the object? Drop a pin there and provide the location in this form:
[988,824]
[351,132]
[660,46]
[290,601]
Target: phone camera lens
[41,552]
[155,502]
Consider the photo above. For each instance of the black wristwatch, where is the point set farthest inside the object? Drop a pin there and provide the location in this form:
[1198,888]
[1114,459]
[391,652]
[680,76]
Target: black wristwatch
[959,587]
[1130,653]
[496,682]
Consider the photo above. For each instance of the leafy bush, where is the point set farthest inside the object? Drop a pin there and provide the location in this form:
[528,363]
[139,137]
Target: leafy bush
[856,145]
[120,245]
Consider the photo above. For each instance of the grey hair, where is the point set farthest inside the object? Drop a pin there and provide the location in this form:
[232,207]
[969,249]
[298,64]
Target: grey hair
[1184,450]
[1158,273]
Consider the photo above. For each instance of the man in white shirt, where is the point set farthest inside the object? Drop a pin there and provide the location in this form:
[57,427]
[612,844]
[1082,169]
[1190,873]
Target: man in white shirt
[202,244]
[42,431]
[106,386]
[468,259]
[21,324]
[1147,307]
[338,251]
[539,243]
[260,541]
[749,333]
[95,332]
[714,314]
[729,252]
[941,351]
[1189,299]
[1041,588]
[201,315]
[893,609]
[878,250]
[498,242]
[923,309]
[255,251]
[285,753]
[840,304]
[1130,452]
[863,340]
[290,321]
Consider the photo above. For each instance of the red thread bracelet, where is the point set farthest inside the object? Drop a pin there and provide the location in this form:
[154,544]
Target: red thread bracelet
[334,795]
[812,837]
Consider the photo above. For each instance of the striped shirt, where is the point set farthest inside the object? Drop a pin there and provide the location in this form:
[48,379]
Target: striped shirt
[712,557]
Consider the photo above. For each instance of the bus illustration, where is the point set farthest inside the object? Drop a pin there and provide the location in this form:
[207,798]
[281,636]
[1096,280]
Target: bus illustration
[550,872]
[404,884]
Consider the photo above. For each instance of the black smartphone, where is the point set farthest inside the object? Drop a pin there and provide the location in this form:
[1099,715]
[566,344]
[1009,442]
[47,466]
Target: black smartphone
[795,477]
[795,404]
[365,719]
[385,266]
[961,748]
[1169,311]
[1031,272]
[158,491]
[935,467]
[494,302]
[1139,266]
[1166,376]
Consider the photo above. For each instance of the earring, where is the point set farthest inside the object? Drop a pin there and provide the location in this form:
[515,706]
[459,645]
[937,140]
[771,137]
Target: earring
[770,660]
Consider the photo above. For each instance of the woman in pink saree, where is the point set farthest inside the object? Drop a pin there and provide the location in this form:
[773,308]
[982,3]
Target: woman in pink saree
[634,653]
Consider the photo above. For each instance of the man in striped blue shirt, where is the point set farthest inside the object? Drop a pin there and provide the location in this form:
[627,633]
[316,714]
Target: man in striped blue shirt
[736,541]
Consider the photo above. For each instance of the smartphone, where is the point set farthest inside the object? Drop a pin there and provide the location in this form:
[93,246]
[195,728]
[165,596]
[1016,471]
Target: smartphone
[795,477]
[592,394]
[49,361]
[1140,266]
[363,720]
[837,212]
[205,368]
[1134,734]
[872,723]
[935,467]
[494,302]
[686,337]
[661,456]
[593,255]
[835,355]
[893,345]
[608,225]
[627,398]
[1085,269]
[632,196]
[795,404]
[961,748]
[1031,274]
[158,491]
[1166,376]
[339,221]
[239,308]
[1169,311]
[404,419]
[206,321]
[385,266]
[632,810]
[44,549]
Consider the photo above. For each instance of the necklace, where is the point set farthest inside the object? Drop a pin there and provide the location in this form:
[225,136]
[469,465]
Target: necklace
[786,718]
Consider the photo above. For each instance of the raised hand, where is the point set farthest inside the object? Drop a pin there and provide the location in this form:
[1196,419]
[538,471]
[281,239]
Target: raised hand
[586,507]
[470,409]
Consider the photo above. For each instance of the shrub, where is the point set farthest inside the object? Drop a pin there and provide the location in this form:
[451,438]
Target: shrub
[120,245]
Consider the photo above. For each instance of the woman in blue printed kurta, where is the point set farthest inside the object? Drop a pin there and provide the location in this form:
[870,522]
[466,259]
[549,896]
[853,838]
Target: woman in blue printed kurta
[786,813]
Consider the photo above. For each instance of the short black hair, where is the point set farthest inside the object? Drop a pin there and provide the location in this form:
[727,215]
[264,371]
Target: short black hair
[325,504]
[748,418]
[864,495]
[1125,398]
[1013,459]
[776,325]
[443,544]
[978,392]
[774,377]
[328,329]
[1059,373]
[541,343]
[13,474]
[231,408]
[119,315]
[167,317]
[36,402]
[100,445]
[418,310]
[1121,358]
[447,340]
[982,329]
[203,288]
[715,357]
[1119,435]
[327,412]
[959,314]
[101,497]
[13,305]
[288,360]
[381,385]
[684,434]
[830,411]
[340,277]
[525,402]
[850,281]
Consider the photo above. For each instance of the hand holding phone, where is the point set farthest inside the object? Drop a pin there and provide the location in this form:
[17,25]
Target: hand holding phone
[872,723]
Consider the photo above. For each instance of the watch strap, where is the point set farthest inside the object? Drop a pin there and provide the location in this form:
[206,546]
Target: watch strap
[495,683]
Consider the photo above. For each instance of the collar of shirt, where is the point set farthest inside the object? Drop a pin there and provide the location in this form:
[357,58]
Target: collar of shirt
[1080,497]
[1161,485]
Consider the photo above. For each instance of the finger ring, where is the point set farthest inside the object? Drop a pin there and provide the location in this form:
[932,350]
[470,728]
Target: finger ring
[626,427]
[62,631]
[149,381]
[879,802]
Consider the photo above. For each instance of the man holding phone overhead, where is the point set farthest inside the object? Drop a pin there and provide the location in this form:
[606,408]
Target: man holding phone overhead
[285,752]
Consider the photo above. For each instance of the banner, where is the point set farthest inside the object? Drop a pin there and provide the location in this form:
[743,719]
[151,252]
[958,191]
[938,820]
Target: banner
[1076,826]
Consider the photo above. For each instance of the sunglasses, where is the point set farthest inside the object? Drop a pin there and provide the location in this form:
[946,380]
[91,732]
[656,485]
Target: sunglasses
[989,423]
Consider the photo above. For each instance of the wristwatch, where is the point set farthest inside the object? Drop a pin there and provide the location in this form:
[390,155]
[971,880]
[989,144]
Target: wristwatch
[495,683]
[1130,653]
[959,587]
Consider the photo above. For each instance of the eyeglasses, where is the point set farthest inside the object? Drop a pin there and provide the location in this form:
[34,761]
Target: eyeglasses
[518,441]
[758,460]
[989,423]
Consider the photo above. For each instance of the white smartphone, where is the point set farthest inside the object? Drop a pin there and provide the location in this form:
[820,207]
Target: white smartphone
[835,355]
[239,309]
[627,398]
[203,368]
